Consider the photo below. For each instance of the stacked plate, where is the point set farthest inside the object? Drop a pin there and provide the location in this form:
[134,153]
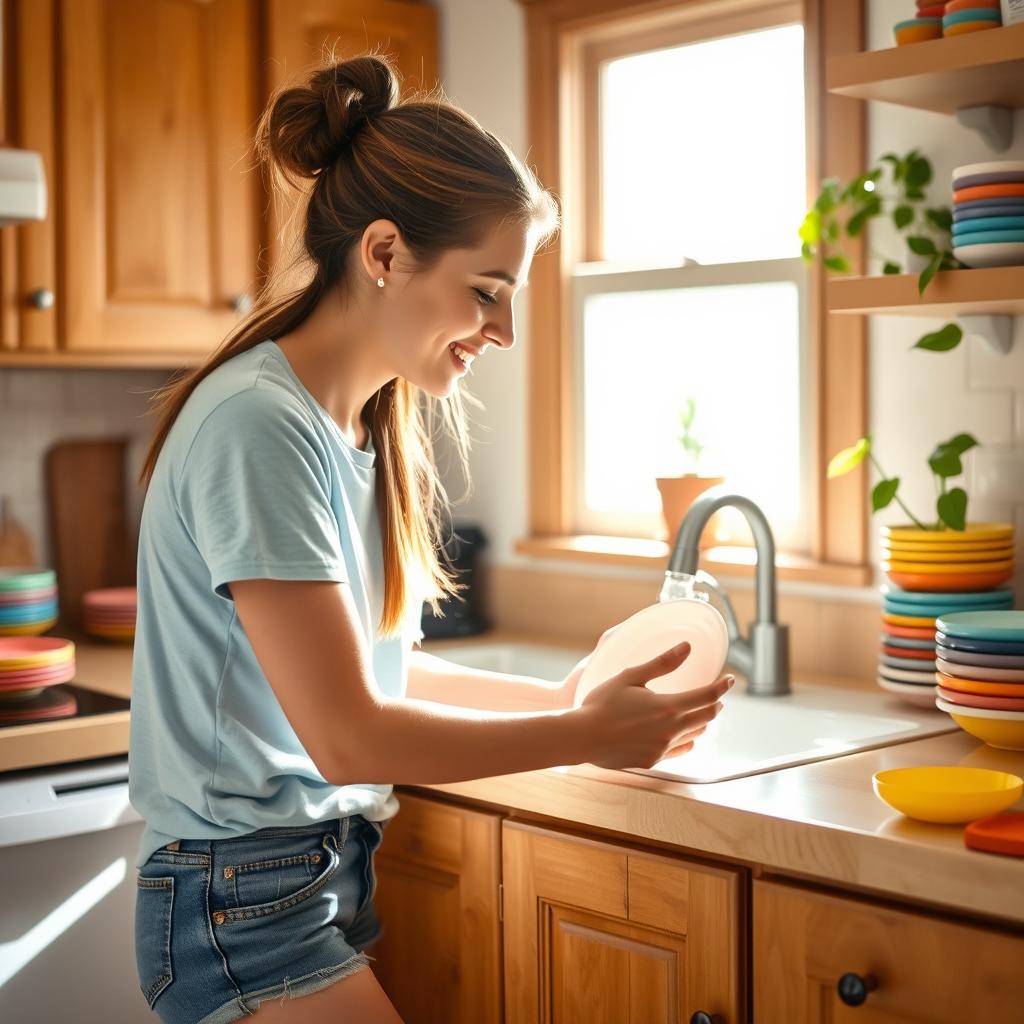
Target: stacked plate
[963,16]
[30,664]
[907,662]
[28,601]
[988,213]
[976,558]
[980,670]
[110,613]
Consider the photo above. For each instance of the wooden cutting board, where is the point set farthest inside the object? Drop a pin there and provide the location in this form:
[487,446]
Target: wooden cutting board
[16,547]
[93,543]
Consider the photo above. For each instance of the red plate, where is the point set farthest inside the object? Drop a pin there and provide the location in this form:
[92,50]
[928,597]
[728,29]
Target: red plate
[25,596]
[110,597]
[906,652]
[66,670]
[1001,833]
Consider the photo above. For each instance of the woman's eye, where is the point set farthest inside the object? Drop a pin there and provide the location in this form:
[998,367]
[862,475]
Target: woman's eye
[485,296]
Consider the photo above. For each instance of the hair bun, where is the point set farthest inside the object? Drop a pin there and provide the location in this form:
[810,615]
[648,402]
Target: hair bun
[309,126]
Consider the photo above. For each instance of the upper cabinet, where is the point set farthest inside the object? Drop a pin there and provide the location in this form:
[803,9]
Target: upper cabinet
[144,112]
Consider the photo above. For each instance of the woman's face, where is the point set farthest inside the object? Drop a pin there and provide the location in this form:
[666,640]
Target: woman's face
[436,324]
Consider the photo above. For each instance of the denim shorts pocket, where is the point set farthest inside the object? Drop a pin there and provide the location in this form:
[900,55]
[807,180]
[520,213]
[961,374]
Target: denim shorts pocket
[249,888]
[372,835]
[153,904]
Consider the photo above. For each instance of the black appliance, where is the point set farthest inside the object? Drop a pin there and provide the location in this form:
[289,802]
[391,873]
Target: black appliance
[463,614]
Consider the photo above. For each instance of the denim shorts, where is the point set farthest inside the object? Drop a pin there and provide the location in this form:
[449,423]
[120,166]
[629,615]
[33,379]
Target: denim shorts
[222,925]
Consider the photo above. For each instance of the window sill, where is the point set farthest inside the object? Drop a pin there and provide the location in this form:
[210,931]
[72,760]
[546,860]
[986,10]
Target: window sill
[719,561]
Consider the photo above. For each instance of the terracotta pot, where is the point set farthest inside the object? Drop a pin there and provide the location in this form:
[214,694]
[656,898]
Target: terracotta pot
[678,493]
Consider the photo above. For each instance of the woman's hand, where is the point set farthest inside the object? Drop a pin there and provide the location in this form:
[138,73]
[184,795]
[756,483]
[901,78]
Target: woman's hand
[567,688]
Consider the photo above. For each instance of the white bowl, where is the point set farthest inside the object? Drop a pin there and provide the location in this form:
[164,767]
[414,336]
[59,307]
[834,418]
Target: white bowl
[991,254]
[969,712]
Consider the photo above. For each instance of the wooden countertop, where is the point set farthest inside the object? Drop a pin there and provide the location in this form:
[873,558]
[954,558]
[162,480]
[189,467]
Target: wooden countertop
[818,821]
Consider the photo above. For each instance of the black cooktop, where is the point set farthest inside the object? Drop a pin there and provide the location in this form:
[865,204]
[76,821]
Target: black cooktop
[58,702]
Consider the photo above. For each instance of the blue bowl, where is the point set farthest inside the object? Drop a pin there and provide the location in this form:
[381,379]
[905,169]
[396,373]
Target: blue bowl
[972,14]
[920,598]
[961,216]
[989,224]
[960,643]
[981,204]
[986,237]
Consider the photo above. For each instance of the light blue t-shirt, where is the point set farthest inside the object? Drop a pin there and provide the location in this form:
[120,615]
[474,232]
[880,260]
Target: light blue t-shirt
[255,480]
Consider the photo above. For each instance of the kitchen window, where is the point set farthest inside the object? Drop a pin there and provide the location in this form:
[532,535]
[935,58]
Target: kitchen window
[685,141]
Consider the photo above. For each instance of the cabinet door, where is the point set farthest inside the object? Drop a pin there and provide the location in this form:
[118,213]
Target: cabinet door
[158,213]
[601,933]
[925,969]
[438,871]
[303,33]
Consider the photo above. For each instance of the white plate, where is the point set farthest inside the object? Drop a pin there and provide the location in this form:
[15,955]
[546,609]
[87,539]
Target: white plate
[991,254]
[981,672]
[988,167]
[653,630]
[919,696]
[963,709]
[908,675]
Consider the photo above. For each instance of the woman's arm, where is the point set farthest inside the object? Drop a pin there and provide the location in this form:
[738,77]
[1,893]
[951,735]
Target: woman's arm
[433,678]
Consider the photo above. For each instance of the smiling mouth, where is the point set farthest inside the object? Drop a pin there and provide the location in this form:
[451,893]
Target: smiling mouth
[462,358]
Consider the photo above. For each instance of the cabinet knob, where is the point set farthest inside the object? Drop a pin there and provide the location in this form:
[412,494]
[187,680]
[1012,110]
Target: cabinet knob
[241,303]
[700,1017]
[853,989]
[41,298]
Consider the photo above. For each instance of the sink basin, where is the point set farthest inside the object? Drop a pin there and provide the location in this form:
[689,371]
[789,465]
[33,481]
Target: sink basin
[751,735]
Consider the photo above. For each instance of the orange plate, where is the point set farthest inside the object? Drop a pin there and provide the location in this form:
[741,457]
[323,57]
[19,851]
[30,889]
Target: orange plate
[910,632]
[908,652]
[966,581]
[979,687]
[1001,833]
[965,195]
[908,620]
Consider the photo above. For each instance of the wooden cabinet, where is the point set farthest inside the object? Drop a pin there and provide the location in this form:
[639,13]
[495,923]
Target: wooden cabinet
[438,873]
[923,968]
[147,111]
[601,933]
[144,112]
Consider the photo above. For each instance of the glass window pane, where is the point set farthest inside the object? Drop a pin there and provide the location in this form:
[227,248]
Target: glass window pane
[736,350]
[702,150]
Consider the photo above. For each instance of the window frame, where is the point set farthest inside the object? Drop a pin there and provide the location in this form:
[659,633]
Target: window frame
[567,40]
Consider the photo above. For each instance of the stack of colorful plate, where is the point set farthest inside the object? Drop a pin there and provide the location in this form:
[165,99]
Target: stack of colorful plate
[988,213]
[980,661]
[29,664]
[970,16]
[927,25]
[28,601]
[907,662]
[110,613]
[976,558]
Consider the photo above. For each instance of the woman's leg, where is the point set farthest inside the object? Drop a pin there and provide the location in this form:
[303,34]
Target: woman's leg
[355,999]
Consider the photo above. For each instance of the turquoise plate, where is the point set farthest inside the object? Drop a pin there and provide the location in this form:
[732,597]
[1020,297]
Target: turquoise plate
[980,224]
[931,611]
[971,14]
[988,237]
[922,598]
[984,625]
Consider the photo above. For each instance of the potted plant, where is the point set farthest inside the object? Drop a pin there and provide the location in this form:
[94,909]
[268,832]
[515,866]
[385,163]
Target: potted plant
[678,493]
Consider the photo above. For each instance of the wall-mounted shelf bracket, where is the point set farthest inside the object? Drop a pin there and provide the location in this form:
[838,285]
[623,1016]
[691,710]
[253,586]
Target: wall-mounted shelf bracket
[994,329]
[993,124]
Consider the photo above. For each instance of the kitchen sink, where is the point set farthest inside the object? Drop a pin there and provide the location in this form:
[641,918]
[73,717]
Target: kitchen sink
[751,735]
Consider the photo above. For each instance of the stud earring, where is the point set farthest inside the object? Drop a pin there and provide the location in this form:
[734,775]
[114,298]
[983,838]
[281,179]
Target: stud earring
[380,282]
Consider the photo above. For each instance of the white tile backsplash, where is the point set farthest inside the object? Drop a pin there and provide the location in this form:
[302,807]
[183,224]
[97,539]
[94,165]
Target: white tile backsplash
[40,407]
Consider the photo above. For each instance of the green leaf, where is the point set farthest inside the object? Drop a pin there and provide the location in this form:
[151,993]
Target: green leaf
[832,231]
[943,340]
[849,458]
[829,196]
[856,223]
[688,413]
[810,229]
[897,166]
[919,171]
[890,267]
[928,273]
[883,493]
[952,508]
[902,216]
[806,252]
[921,245]
[961,443]
[837,263]
[914,193]
[942,218]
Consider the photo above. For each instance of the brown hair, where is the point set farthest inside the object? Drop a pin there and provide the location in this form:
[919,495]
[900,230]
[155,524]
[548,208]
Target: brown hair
[445,182]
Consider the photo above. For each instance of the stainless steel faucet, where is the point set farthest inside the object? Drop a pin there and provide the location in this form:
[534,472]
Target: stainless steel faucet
[764,657]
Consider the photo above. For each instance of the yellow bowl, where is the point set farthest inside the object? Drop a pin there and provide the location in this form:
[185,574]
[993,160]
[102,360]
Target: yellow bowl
[947,795]
[996,732]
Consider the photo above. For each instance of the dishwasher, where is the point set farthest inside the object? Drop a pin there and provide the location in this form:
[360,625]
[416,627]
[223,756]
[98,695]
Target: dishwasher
[68,842]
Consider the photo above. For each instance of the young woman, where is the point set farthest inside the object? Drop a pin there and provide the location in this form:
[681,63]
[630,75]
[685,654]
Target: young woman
[289,538]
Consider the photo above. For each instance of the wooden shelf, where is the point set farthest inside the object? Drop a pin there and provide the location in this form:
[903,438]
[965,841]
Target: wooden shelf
[943,75]
[950,293]
[639,552]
